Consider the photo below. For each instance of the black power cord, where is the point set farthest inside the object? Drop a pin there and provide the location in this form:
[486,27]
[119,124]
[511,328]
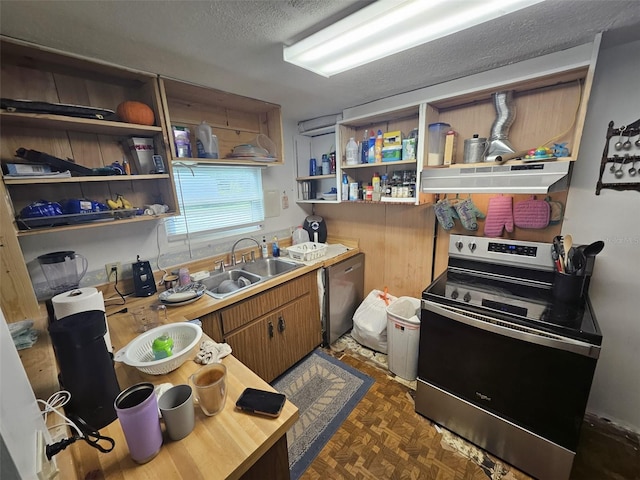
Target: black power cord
[89,435]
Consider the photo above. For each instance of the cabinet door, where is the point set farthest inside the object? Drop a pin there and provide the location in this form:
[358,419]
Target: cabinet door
[298,331]
[255,346]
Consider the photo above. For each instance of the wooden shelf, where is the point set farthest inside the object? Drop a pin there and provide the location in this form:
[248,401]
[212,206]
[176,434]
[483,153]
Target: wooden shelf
[97,178]
[226,162]
[97,223]
[87,125]
[379,165]
[316,177]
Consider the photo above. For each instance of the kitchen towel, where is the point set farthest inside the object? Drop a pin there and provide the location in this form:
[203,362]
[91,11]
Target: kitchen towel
[212,352]
[499,216]
[81,300]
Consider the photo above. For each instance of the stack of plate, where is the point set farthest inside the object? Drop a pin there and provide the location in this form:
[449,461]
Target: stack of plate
[183,295]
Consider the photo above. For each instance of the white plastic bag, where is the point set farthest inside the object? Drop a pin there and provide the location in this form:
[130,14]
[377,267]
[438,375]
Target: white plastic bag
[370,321]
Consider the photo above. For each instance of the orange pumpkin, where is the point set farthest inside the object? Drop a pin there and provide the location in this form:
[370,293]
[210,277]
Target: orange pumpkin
[135,112]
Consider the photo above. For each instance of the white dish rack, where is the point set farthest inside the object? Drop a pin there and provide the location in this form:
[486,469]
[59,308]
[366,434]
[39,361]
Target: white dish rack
[307,251]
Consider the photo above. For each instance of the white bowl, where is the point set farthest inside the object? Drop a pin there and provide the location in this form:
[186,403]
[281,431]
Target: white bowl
[138,353]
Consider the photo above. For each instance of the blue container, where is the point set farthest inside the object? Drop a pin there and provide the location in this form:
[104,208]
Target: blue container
[313,167]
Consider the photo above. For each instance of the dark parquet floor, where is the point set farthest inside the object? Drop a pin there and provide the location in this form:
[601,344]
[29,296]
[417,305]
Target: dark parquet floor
[383,438]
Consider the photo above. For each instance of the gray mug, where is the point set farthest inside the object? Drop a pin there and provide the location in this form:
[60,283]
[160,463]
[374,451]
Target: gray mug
[176,407]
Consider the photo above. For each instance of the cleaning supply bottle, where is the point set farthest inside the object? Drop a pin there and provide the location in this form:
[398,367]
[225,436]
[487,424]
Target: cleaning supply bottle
[300,235]
[265,249]
[371,156]
[378,147]
[275,248]
[345,188]
[352,152]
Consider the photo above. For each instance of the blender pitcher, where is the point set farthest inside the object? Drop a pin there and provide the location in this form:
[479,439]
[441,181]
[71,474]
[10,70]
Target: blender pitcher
[61,270]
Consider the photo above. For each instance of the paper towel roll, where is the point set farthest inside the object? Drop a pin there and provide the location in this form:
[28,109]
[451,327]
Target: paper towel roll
[80,300]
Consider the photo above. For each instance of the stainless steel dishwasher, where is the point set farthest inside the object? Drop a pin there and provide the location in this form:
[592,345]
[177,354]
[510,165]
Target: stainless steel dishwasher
[344,291]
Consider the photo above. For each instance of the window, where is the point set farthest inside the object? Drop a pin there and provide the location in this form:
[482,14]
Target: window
[216,201]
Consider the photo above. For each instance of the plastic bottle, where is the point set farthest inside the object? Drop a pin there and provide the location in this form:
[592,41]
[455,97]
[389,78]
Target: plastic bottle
[265,249]
[371,157]
[364,154]
[300,235]
[275,248]
[375,182]
[383,185]
[345,188]
[326,165]
[205,141]
[378,147]
[368,192]
[352,152]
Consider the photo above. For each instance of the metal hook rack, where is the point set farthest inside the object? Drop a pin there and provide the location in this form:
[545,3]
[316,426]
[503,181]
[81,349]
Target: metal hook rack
[628,131]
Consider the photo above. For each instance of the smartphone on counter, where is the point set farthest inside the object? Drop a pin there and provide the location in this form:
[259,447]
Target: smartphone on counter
[261,402]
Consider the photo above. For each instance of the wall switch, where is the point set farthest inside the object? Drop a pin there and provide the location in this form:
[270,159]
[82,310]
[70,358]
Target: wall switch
[111,273]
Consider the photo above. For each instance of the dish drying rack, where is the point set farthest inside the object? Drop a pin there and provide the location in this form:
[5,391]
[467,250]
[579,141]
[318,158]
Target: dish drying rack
[307,251]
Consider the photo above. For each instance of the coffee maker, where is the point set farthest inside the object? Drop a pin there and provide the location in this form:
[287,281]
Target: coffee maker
[86,367]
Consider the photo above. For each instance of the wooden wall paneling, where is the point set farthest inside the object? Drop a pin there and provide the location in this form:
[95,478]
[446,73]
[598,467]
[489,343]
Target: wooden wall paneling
[397,241]
[16,292]
[19,82]
[54,143]
[85,150]
[363,222]
[409,236]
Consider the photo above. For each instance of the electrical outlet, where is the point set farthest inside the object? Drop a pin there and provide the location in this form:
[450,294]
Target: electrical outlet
[111,269]
[45,469]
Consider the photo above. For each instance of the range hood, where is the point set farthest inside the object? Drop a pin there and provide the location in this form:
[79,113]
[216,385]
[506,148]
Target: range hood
[534,178]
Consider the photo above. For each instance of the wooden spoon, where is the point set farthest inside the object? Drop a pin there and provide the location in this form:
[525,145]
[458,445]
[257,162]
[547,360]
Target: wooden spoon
[567,243]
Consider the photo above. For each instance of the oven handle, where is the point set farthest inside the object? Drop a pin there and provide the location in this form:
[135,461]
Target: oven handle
[530,335]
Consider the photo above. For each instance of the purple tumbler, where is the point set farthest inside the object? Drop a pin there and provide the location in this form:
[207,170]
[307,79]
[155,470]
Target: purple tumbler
[137,410]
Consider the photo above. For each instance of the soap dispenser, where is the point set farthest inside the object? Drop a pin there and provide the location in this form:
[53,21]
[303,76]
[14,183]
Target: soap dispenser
[265,249]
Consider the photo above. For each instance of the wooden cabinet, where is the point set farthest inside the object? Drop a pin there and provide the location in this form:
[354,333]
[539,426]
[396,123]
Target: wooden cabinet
[273,330]
[548,109]
[234,119]
[39,74]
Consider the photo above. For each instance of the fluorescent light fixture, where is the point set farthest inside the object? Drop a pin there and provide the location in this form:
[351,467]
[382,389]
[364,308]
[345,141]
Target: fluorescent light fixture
[391,26]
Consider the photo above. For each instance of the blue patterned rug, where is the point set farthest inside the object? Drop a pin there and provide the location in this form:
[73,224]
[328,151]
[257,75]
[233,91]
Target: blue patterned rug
[325,390]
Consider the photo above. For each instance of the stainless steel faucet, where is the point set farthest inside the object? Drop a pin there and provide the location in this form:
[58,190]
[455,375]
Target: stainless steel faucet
[233,249]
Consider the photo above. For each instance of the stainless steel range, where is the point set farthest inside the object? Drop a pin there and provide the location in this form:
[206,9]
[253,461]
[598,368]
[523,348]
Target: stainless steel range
[502,363]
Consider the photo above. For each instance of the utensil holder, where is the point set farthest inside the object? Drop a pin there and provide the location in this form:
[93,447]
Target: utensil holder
[568,288]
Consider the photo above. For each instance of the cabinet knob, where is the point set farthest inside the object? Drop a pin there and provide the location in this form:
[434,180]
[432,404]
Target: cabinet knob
[270,329]
[281,324]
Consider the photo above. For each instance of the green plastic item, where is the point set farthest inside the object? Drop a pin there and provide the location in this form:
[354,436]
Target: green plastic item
[162,347]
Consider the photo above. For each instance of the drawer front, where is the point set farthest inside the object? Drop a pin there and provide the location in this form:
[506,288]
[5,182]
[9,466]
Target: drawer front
[244,312]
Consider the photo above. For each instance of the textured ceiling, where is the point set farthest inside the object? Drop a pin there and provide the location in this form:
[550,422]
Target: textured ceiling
[237,45]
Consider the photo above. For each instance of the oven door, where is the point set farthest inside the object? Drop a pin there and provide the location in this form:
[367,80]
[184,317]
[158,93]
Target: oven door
[535,380]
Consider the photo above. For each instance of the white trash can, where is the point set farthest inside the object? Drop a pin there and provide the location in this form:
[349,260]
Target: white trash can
[403,335]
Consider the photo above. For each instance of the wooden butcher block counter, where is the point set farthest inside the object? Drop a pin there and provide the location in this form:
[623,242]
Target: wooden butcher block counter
[231,445]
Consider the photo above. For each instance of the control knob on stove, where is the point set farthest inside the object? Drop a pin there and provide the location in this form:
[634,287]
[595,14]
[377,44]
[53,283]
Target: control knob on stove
[454,294]
[472,246]
[459,245]
[467,297]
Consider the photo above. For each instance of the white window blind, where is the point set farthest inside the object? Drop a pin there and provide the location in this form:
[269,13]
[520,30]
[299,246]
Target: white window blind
[216,200]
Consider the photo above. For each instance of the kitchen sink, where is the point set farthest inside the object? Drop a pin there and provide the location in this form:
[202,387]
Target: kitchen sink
[270,267]
[223,284]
